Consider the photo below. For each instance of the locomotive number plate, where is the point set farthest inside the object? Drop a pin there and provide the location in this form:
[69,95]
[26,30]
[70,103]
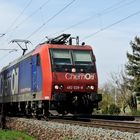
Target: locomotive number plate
[75,87]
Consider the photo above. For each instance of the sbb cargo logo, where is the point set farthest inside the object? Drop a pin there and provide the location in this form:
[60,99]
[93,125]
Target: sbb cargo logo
[79,76]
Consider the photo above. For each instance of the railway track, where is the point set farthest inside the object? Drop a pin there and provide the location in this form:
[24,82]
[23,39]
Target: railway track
[56,128]
[90,121]
[125,126]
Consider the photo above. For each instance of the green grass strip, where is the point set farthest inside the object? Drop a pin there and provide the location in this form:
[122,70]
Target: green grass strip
[14,135]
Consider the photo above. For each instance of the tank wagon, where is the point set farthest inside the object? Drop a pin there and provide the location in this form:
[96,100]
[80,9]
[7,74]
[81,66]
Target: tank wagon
[56,75]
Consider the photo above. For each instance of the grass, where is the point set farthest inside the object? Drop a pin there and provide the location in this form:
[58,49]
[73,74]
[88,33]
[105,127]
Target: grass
[14,135]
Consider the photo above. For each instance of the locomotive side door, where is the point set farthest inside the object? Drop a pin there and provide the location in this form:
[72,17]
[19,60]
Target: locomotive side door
[36,73]
[1,85]
[4,87]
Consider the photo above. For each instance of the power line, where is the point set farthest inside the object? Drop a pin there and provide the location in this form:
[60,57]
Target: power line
[8,49]
[109,26]
[97,13]
[1,35]
[24,20]
[101,13]
[51,18]
[32,14]
[13,23]
[104,11]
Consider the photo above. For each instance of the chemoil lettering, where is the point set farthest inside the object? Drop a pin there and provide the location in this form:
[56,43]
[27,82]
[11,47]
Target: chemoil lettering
[14,80]
[79,76]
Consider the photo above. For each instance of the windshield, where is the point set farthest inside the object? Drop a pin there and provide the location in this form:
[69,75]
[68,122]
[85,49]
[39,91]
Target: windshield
[82,57]
[71,57]
[61,57]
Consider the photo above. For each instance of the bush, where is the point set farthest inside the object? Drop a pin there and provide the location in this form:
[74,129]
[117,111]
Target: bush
[136,112]
[114,109]
[105,110]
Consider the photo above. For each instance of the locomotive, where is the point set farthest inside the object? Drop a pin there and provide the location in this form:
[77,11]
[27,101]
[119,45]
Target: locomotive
[57,76]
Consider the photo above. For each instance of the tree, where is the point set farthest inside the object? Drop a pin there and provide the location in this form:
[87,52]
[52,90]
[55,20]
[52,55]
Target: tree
[133,71]
[114,109]
[107,99]
[120,81]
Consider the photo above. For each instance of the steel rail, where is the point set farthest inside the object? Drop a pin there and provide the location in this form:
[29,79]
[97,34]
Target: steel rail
[124,126]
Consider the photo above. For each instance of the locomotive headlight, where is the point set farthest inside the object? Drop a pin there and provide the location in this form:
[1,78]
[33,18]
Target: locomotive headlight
[61,87]
[81,70]
[90,87]
[56,87]
[73,70]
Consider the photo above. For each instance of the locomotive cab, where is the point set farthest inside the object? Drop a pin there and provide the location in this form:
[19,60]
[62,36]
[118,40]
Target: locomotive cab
[74,77]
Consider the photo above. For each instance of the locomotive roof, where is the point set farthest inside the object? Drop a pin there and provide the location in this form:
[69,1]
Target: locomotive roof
[42,45]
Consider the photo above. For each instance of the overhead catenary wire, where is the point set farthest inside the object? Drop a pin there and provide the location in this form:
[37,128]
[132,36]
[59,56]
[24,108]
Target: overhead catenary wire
[9,29]
[8,49]
[109,26]
[21,13]
[103,29]
[32,14]
[96,15]
[50,19]
[1,35]
[16,26]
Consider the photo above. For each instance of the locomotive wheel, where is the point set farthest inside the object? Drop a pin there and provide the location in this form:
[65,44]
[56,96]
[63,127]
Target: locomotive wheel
[61,108]
[82,105]
[46,110]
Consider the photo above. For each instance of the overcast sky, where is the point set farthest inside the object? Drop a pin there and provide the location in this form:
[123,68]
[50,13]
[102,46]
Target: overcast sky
[107,25]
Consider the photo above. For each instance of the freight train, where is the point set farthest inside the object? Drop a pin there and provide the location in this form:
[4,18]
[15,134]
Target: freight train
[56,76]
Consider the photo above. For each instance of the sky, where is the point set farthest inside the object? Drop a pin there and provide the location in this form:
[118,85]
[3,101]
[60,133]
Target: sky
[107,25]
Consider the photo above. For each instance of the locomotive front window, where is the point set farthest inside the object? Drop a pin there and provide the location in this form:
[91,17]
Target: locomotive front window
[61,57]
[82,57]
[63,60]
